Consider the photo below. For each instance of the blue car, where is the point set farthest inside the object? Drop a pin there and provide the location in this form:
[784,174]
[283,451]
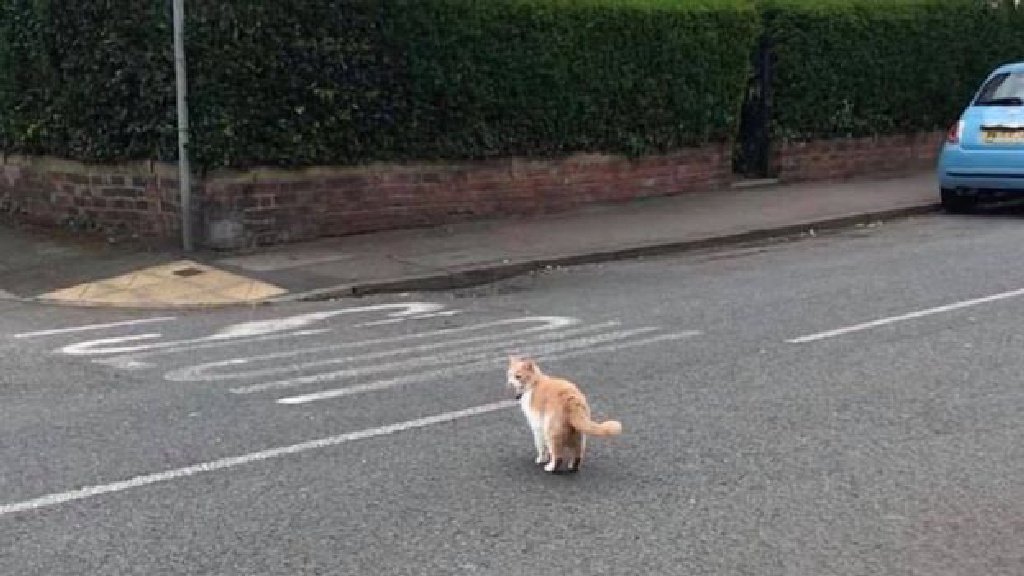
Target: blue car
[983,156]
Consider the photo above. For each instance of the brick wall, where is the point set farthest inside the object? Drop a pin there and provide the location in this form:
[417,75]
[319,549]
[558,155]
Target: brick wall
[840,159]
[278,207]
[136,199]
[262,206]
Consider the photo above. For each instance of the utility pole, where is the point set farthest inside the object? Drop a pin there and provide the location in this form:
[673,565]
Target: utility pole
[184,172]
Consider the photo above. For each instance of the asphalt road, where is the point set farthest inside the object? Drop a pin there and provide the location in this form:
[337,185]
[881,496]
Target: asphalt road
[847,404]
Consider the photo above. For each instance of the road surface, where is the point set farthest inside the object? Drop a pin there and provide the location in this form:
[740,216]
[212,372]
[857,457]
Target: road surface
[847,404]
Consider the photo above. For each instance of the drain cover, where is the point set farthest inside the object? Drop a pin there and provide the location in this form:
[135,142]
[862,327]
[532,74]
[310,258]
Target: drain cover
[186,272]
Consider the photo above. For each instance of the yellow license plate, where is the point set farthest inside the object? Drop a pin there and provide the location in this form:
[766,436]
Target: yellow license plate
[1003,136]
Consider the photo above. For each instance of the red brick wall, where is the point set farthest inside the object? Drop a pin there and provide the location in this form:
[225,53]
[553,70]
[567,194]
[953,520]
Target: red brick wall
[261,207]
[287,206]
[841,159]
[127,200]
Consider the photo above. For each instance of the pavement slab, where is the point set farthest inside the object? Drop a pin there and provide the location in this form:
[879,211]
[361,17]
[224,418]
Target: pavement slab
[48,268]
[179,283]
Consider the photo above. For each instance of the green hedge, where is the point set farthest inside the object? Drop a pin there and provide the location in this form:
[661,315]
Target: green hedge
[27,82]
[543,77]
[290,83]
[865,67]
[114,81]
[346,81]
[351,81]
[270,82]
[85,80]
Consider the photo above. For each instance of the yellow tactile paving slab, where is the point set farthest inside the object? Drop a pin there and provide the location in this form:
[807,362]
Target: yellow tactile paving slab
[181,283]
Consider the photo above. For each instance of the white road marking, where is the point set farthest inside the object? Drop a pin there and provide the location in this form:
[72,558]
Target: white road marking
[205,372]
[251,332]
[464,355]
[261,327]
[545,323]
[51,500]
[902,317]
[542,353]
[443,314]
[134,361]
[93,327]
[98,346]
[245,329]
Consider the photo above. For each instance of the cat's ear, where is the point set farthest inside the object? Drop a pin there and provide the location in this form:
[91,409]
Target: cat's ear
[529,365]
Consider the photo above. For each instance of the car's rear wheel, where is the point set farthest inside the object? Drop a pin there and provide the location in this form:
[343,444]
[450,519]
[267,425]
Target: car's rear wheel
[957,203]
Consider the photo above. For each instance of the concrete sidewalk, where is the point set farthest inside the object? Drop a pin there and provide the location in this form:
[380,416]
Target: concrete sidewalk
[35,267]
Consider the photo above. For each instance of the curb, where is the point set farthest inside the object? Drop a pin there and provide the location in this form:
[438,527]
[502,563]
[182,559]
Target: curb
[485,274]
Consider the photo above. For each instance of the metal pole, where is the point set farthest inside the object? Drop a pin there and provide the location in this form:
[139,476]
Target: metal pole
[184,172]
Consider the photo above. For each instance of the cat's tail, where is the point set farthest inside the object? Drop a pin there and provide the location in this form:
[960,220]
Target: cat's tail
[580,420]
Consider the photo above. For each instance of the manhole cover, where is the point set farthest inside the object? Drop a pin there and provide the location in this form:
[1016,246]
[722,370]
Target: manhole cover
[186,272]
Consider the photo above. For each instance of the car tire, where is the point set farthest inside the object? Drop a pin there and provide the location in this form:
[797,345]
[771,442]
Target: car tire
[957,204]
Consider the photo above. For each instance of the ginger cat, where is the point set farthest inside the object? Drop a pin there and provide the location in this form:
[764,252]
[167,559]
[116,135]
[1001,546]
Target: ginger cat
[558,415]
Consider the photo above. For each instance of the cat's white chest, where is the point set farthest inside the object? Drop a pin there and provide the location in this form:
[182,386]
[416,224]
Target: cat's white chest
[531,416]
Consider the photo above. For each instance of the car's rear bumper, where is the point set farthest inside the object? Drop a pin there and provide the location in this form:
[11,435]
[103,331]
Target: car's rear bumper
[998,172]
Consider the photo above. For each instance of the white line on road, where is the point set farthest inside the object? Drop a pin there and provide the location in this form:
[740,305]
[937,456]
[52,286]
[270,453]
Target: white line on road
[91,346]
[261,327]
[134,361]
[56,499]
[245,330]
[543,324]
[205,372]
[902,317]
[92,327]
[542,353]
[443,314]
[464,355]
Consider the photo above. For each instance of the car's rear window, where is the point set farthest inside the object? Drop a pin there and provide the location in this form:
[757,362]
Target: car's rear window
[1005,89]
